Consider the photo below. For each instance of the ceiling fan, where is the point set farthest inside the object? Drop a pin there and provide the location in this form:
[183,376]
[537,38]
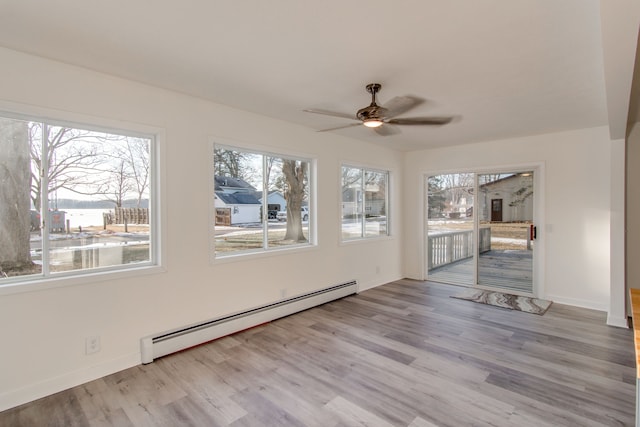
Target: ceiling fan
[375,116]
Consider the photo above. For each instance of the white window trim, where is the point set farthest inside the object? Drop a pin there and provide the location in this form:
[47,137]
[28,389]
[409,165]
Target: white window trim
[30,283]
[389,197]
[539,169]
[223,143]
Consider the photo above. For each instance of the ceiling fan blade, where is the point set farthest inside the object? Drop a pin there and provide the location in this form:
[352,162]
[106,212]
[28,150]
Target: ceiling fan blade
[340,127]
[332,113]
[401,104]
[387,130]
[421,121]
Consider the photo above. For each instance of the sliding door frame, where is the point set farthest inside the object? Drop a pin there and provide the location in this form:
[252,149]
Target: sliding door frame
[538,169]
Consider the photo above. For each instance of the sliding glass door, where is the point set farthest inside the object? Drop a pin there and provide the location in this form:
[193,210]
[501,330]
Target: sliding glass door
[450,228]
[505,220]
[490,249]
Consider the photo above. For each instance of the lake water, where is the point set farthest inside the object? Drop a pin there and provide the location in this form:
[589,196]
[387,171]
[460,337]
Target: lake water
[84,217]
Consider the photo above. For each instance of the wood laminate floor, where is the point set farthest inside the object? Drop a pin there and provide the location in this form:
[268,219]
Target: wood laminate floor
[403,354]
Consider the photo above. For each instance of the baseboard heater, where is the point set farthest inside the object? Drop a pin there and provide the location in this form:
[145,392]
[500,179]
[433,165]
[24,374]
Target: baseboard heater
[155,346]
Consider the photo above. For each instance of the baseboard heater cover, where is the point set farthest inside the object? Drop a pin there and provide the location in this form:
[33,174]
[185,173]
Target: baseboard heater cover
[165,343]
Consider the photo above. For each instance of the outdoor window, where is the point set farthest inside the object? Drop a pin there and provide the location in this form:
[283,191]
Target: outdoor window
[72,200]
[364,203]
[261,201]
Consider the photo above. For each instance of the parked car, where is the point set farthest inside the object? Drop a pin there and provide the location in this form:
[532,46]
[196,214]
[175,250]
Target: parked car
[304,213]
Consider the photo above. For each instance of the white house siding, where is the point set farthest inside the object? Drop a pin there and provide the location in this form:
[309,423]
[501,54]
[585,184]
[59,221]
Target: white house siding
[244,214]
[506,189]
[277,199]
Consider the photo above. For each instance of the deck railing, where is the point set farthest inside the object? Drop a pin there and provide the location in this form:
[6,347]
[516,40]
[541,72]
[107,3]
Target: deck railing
[451,246]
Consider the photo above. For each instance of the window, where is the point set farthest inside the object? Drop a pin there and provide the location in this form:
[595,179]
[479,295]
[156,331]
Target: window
[364,203]
[261,201]
[72,200]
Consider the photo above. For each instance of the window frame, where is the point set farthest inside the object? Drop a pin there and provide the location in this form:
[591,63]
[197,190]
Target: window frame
[387,202]
[49,280]
[265,249]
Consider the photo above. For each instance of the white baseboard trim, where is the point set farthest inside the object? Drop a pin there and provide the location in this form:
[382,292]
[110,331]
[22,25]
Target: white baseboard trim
[578,302]
[620,322]
[62,382]
[363,285]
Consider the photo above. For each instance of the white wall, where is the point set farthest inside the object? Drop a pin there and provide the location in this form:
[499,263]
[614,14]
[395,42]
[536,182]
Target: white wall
[576,206]
[43,330]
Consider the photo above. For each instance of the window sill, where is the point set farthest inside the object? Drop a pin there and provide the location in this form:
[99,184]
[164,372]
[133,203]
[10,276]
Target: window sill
[246,256]
[365,240]
[48,283]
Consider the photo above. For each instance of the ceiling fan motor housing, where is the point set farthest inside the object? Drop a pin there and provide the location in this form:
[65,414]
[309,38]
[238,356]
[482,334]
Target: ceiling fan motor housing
[373,111]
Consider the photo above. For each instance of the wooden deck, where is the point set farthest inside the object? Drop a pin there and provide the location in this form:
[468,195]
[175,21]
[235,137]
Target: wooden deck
[509,269]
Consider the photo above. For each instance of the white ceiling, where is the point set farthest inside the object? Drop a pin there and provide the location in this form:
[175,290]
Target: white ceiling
[507,68]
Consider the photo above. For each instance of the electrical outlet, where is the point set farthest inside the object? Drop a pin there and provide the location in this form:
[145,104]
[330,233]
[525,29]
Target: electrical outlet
[92,345]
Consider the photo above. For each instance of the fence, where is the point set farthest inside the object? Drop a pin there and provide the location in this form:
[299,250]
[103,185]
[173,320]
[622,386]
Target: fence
[451,246]
[223,216]
[131,216]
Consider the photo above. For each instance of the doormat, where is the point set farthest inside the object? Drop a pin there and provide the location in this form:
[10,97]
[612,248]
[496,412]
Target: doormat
[509,301]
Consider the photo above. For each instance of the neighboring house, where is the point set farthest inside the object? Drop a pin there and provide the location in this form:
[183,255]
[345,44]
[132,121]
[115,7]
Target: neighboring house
[245,201]
[373,201]
[244,208]
[508,199]
[238,198]
[462,209]
[275,202]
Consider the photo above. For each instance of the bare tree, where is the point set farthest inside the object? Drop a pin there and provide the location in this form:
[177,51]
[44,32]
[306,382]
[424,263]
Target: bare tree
[129,170]
[269,162]
[458,185]
[227,162]
[435,196]
[295,173]
[15,177]
[138,158]
[72,156]
[120,184]
[278,182]
[350,176]
[88,163]
[236,164]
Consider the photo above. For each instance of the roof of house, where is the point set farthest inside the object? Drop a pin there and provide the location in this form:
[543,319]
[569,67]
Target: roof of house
[258,194]
[237,198]
[503,179]
[230,182]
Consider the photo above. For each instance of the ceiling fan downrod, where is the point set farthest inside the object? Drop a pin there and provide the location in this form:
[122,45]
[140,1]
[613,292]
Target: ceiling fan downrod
[373,88]
[372,116]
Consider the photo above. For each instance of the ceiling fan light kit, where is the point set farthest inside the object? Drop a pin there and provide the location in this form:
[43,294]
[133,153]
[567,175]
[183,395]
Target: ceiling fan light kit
[374,115]
[373,123]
